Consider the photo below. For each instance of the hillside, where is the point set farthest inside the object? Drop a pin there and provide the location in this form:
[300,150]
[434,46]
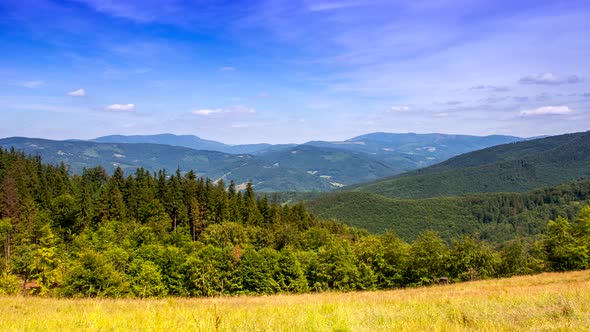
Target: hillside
[296,169]
[405,152]
[78,155]
[144,235]
[515,167]
[420,149]
[190,141]
[495,216]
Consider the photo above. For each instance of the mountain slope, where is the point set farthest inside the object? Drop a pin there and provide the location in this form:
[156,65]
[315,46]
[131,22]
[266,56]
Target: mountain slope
[190,141]
[405,151]
[340,167]
[153,157]
[517,167]
[411,151]
[275,171]
[494,216]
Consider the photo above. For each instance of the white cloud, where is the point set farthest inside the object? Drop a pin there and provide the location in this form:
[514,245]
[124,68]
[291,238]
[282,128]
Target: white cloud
[32,84]
[121,107]
[549,79]
[493,88]
[223,111]
[440,115]
[77,93]
[227,68]
[396,109]
[547,110]
[206,111]
[319,6]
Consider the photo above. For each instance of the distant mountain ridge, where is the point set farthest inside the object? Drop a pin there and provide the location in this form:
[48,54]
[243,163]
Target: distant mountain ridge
[296,169]
[516,167]
[406,151]
[313,166]
[188,141]
[498,192]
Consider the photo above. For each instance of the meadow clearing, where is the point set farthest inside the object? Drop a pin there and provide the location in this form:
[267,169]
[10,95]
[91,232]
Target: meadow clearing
[545,302]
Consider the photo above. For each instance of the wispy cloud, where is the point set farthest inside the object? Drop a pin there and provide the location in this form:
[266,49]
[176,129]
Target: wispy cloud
[121,107]
[77,93]
[32,84]
[224,111]
[125,9]
[397,109]
[440,114]
[227,68]
[547,110]
[492,88]
[520,99]
[320,6]
[549,79]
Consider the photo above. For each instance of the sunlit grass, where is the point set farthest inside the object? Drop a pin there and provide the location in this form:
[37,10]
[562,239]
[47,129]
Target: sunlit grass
[551,301]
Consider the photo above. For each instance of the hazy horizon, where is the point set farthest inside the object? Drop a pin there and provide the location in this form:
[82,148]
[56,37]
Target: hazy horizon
[293,71]
[262,142]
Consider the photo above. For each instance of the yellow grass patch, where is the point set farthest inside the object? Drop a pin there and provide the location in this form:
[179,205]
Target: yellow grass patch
[550,301]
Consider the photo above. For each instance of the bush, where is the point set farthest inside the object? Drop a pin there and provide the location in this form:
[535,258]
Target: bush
[9,284]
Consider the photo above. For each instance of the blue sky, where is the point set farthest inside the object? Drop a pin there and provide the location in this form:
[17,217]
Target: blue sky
[293,70]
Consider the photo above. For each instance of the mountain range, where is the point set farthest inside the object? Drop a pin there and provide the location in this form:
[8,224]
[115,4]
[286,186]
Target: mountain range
[313,166]
[497,193]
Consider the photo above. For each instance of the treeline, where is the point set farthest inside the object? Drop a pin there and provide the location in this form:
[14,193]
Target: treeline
[494,217]
[150,235]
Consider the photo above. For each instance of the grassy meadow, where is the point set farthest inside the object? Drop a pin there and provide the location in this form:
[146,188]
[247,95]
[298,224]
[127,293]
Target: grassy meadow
[545,302]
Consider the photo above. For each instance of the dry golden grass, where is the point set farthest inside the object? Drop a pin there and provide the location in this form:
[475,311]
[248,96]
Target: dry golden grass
[546,302]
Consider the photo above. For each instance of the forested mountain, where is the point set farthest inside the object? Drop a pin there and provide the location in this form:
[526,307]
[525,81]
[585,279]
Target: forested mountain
[496,217]
[514,167]
[77,155]
[416,150]
[402,151]
[315,166]
[191,141]
[145,235]
[303,168]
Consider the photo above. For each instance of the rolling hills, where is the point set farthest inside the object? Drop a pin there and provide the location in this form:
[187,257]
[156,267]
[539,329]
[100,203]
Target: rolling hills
[416,150]
[515,167]
[304,168]
[405,152]
[314,166]
[190,141]
[491,192]
[493,216]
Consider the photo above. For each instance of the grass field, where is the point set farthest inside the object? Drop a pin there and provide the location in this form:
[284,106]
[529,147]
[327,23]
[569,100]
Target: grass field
[546,302]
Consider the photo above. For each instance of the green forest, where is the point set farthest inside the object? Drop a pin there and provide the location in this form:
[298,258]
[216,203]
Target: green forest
[495,217]
[515,167]
[157,234]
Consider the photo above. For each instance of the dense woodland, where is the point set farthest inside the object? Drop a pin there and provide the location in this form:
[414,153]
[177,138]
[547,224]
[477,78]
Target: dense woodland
[494,217]
[515,167]
[151,235]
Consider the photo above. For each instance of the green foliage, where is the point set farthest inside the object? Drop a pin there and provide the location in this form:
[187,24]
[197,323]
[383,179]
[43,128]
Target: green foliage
[146,279]
[9,284]
[209,271]
[48,262]
[153,235]
[496,217]
[516,167]
[565,250]
[92,275]
[428,259]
